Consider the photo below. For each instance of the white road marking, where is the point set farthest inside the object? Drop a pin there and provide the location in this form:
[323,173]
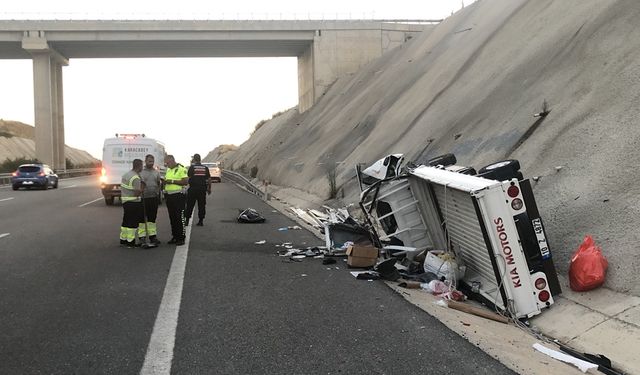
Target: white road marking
[160,350]
[68,187]
[95,200]
[4,235]
[6,199]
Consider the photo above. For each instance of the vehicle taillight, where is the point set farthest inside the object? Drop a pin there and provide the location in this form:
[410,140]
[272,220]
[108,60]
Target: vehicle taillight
[513,191]
[41,174]
[544,296]
[517,204]
[541,283]
[14,174]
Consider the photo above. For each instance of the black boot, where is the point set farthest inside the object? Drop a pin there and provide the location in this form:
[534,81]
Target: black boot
[200,223]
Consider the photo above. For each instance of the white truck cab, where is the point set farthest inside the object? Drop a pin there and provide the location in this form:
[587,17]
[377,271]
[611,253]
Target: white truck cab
[492,226]
[118,154]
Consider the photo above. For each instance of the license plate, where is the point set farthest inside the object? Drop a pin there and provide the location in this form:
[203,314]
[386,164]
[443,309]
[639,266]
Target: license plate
[542,240]
[27,182]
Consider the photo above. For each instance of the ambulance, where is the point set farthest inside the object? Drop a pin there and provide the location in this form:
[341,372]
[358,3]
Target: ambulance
[118,154]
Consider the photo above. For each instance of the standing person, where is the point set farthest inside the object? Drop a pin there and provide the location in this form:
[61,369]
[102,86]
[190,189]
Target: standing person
[131,188]
[150,198]
[175,180]
[199,183]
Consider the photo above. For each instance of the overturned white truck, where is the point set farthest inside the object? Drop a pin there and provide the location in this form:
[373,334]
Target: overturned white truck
[489,220]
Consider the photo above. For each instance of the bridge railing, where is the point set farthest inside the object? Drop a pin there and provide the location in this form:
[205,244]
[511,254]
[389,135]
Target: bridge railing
[244,182]
[5,178]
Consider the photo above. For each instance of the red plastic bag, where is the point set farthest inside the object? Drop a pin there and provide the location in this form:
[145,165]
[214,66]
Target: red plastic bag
[588,267]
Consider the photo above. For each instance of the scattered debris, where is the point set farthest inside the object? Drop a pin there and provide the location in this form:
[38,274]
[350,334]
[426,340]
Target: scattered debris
[604,363]
[387,269]
[250,216]
[584,366]
[362,256]
[545,110]
[409,284]
[368,276]
[261,242]
[483,313]
[309,219]
[356,274]
[588,267]
[294,227]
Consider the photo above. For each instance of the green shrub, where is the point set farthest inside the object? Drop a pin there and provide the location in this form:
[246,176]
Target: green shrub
[10,165]
[254,171]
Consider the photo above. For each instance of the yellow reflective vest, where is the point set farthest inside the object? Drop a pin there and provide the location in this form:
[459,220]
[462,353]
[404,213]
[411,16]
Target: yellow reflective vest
[177,173]
[129,184]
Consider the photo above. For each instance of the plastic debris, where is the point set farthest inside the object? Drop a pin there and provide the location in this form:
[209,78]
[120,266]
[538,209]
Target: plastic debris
[261,242]
[584,366]
[250,216]
[435,287]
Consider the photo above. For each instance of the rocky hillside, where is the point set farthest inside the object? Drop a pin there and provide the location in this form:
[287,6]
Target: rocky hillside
[17,141]
[222,152]
[471,87]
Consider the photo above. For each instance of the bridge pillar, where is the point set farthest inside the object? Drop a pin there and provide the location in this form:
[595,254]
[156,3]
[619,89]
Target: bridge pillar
[48,103]
[336,53]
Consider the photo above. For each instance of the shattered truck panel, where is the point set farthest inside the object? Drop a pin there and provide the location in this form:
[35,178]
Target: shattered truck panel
[478,219]
[493,227]
[398,215]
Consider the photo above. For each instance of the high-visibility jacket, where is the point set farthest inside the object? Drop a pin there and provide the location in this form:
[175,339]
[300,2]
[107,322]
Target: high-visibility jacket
[129,184]
[176,173]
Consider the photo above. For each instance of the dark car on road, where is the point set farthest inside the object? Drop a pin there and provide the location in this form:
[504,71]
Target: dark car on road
[34,176]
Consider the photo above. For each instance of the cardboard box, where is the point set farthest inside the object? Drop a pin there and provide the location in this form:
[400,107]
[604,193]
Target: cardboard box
[362,256]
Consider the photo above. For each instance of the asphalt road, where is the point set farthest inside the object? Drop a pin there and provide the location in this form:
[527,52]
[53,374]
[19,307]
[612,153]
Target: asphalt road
[73,302]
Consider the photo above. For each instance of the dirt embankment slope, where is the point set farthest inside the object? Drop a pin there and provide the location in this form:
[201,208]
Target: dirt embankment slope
[471,87]
[17,141]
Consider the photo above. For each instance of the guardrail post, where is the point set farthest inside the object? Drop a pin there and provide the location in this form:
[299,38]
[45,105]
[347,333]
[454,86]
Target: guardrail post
[266,183]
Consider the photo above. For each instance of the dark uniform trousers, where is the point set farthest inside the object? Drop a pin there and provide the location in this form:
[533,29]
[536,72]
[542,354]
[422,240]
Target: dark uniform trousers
[151,208]
[133,214]
[175,207]
[193,196]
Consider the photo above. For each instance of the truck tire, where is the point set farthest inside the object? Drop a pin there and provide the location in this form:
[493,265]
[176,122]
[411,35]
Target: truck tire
[501,170]
[108,201]
[444,160]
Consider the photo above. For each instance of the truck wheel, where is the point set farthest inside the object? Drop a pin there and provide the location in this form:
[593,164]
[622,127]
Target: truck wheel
[502,170]
[444,160]
[108,201]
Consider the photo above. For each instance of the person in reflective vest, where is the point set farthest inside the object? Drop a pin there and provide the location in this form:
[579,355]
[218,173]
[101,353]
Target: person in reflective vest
[175,181]
[150,199]
[131,188]
[199,186]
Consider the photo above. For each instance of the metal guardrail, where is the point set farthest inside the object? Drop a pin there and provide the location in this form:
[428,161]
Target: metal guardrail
[244,182]
[5,178]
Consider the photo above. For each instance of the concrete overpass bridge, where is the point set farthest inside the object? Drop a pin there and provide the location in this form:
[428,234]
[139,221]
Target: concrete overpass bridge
[325,51]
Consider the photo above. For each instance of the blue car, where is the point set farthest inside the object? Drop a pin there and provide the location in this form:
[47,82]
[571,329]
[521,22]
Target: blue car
[34,176]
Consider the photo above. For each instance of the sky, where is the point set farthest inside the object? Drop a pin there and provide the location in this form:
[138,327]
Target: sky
[190,104]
